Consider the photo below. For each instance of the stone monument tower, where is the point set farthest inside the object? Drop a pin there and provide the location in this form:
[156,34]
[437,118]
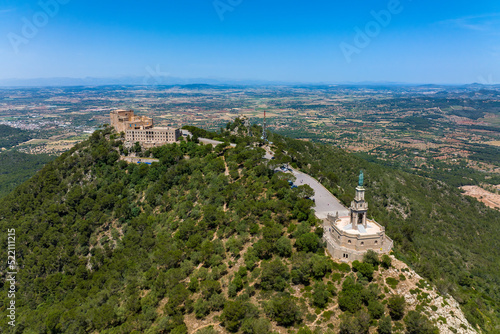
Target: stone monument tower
[349,237]
[359,206]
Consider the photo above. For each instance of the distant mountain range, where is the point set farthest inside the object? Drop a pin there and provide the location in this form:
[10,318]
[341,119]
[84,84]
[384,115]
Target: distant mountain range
[131,80]
[168,80]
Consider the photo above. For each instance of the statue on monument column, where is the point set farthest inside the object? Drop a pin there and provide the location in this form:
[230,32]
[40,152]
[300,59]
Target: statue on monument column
[361,178]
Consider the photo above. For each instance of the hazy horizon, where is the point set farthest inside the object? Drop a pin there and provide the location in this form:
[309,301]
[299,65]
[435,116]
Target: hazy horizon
[179,81]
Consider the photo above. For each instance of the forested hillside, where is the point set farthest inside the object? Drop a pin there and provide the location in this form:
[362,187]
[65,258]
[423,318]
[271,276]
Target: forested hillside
[17,167]
[447,237]
[211,240]
[206,236]
[11,136]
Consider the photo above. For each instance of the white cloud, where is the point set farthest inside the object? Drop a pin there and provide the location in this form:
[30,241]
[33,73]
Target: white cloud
[4,11]
[484,23]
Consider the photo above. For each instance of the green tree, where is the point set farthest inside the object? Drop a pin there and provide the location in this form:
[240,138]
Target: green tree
[274,276]
[396,305]
[305,191]
[235,285]
[320,295]
[364,269]
[416,323]
[137,147]
[308,242]
[384,326]
[206,330]
[201,308]
[376,309]
[320,265]
[216,302]
[284,247]
[235,312]
[256,326]
[348,325]
[386,261]
[284,310]
[355,324]
[304,330]
[350,298]
[371,257]
[209,287]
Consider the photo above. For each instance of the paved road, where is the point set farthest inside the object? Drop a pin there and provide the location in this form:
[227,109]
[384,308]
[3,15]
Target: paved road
[213,142]
[204,141]
[324,200]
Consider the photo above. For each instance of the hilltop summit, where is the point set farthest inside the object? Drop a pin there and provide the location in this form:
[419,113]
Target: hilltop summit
[208,239]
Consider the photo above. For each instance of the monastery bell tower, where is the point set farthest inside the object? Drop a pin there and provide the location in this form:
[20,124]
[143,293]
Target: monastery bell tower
[359,206]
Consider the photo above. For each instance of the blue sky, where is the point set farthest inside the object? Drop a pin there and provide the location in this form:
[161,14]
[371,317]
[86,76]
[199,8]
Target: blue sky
[422,41]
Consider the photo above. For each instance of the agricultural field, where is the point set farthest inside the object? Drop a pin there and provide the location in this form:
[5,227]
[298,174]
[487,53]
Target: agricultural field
[450,133]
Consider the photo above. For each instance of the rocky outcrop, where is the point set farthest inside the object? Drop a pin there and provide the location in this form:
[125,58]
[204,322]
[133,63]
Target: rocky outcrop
[444,311]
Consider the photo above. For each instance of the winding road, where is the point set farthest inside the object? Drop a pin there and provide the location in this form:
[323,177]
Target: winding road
[325,202]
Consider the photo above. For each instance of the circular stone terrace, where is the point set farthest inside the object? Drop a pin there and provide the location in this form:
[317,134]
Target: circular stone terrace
[348,244]
[344,224]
